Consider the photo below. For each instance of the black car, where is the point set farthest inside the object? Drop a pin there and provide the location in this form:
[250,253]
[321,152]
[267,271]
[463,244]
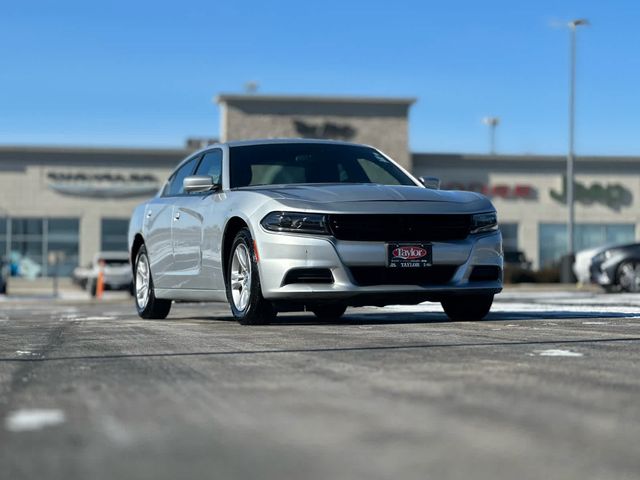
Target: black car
[617,268]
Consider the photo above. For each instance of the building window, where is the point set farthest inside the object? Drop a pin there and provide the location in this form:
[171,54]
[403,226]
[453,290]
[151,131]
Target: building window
[42,246]
[26,247]
[4,240]
[114,234]
[509,236]
[552,238]
[62,245]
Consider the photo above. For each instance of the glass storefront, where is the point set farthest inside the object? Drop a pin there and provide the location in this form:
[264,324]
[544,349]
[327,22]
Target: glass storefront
[553,238]
[38,247]
[113,236]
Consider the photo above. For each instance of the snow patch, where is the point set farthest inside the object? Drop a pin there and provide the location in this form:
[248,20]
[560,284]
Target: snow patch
[33,419]
[558,353]
[25,352]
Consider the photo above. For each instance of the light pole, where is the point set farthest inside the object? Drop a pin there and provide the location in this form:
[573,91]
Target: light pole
[573,26]
[492,123]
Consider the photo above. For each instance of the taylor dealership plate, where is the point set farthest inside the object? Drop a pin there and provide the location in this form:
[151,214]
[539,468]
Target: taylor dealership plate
[409,255]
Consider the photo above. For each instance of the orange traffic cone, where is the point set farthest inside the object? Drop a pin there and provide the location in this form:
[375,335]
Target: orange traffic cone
[100,281]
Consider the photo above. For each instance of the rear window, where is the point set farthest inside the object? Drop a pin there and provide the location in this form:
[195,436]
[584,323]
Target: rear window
[309,163]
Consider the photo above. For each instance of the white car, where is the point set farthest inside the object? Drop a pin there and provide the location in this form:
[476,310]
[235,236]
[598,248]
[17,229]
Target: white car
[289,225]
[116,271]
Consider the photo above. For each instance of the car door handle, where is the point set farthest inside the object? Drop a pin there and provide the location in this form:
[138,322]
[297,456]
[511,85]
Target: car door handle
[149,214]
[176,216]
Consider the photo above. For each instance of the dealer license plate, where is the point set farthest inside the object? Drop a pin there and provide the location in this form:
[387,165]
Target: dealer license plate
[409,255]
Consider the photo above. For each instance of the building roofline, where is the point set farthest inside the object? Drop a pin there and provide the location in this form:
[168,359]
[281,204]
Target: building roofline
[480,157]
[91,149]
[250,97]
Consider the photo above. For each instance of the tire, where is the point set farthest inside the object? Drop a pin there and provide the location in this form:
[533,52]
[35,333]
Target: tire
[628,276]
[244,291]
[329,312]
[460,308]
[147,305]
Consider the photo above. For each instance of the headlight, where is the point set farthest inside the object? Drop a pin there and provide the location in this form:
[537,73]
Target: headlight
[484,222]
[296,222]
[601,257]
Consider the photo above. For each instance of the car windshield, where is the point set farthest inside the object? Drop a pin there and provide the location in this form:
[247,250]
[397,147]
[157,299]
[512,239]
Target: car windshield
[115,261]
[304,163]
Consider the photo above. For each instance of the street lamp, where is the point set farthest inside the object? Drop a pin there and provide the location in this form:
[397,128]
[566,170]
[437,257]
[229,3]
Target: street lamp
[573,26]
[492,123]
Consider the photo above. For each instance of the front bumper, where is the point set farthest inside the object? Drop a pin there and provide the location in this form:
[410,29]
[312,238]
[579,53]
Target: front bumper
[280,253]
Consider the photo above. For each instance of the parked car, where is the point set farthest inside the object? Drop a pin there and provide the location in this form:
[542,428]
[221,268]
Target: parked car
[582,263]
[291,225]
[517,268]
[516,259]
[616,268]
[116,269]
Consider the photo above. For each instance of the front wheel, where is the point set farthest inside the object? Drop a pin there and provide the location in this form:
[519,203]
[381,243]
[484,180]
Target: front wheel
[628,275]
[147,304]
[244,293]
[467,307]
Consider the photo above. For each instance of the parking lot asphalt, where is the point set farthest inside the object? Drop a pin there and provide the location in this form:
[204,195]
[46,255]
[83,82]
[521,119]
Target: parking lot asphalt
[548,386]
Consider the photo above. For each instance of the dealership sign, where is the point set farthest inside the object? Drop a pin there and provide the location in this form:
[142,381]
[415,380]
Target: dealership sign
[612,195]
[103,185]
[517,191]
[328,130]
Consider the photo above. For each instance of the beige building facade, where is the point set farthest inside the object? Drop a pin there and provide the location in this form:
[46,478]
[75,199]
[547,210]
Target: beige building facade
[66,204]
[380,122]
[529,194]
[70,203]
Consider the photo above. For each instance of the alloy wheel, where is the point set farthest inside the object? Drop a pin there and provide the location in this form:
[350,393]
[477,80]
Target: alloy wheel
[142,281]
[629,276]
[241,277]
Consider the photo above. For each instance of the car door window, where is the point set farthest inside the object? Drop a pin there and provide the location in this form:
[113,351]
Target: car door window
[176,183]
[211,165]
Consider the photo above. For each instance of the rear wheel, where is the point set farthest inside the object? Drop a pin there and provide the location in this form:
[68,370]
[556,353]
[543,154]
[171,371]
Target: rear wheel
[329,312]
[244,293]
[467,307]
[628,275]
[147,304]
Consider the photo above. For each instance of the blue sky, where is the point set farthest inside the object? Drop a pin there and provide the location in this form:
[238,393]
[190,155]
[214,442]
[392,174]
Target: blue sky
[142,73]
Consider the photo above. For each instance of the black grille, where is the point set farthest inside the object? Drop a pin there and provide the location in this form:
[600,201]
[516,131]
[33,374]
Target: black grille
[382,228]
[308,275]
[485,273]
[434,275]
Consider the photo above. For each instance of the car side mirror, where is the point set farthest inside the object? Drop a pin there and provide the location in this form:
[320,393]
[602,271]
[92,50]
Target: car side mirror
[430,182]
[199,183]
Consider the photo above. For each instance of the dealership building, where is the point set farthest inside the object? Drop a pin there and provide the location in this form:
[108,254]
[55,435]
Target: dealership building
[66,204]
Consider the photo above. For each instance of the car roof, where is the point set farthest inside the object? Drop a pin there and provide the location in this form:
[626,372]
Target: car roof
[268,141]
[271,141]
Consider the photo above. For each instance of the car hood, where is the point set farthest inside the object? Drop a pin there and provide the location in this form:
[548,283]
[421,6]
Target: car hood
[346,193]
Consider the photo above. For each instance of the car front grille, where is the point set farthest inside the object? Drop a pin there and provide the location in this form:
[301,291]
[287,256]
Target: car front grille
[433,275]
[383,228]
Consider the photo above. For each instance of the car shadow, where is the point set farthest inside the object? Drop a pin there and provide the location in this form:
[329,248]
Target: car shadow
[389,318]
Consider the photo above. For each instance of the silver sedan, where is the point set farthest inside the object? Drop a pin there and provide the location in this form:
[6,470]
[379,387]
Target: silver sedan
[291,225]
